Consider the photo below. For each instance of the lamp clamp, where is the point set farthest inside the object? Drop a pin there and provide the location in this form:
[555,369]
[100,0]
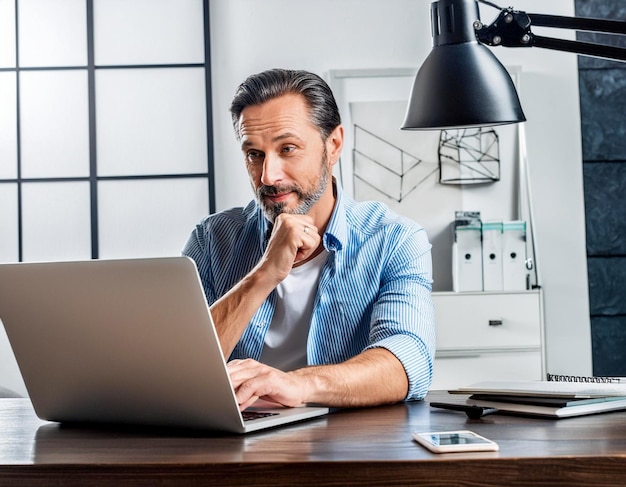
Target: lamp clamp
[510,29]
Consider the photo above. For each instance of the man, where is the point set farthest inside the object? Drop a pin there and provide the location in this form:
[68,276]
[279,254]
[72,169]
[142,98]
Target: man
[316,298]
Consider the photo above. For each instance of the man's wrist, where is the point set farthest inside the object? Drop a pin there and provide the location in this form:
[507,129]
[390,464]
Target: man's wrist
[314,386]
[266,274]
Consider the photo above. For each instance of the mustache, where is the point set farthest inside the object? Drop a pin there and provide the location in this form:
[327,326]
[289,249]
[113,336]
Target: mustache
[264,190]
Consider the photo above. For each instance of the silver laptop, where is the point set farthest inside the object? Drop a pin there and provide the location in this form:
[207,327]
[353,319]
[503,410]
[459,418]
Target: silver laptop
[123,341]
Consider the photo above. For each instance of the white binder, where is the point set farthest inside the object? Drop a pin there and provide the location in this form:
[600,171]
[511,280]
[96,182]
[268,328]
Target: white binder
[492,256]
[514,272]
[467,268]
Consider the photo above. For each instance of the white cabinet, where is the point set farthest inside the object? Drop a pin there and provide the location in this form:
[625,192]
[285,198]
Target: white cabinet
[488,336]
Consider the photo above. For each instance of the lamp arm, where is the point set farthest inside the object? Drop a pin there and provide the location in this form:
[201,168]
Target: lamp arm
[512,28]
[579,23]
[579,47]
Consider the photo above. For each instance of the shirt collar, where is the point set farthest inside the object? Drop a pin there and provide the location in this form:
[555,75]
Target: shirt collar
[336,231]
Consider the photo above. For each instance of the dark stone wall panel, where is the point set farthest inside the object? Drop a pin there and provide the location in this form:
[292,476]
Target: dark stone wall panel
[602,111]
[605,9]
[607,285]
[605,208]
[609,346]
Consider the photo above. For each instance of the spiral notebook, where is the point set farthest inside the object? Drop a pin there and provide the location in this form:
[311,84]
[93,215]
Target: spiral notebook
[538,388]
[595,379]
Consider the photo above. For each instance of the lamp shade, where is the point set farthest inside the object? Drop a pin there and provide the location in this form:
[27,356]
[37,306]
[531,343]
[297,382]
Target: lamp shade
[461,83]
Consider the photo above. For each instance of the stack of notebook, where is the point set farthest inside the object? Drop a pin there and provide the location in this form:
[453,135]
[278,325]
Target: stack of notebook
[546,398]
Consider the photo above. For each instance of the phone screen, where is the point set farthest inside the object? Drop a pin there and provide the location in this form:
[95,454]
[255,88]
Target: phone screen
[455,439]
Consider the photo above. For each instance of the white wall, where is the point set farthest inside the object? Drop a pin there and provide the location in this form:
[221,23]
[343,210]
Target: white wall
[250,35]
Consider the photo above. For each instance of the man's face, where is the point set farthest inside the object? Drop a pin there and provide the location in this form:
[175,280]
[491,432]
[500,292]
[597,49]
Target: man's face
[285,155]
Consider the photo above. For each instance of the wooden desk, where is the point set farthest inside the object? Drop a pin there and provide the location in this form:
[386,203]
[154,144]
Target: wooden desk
[370,446]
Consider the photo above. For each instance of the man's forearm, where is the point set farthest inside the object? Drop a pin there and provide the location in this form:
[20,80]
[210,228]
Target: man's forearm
[373,377]
[233,311]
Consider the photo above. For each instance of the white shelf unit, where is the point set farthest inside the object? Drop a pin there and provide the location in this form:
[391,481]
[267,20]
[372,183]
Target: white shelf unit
[488,336]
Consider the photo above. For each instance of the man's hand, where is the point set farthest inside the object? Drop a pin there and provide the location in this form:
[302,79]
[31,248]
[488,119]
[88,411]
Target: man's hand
[294,239]
[253,380]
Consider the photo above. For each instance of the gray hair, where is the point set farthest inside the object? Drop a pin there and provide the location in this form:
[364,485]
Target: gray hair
[262,87]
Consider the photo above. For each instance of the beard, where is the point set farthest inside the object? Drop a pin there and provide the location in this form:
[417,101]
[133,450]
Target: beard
[306,197]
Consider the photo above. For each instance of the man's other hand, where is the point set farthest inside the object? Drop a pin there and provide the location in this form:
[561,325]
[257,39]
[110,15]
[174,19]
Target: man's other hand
[253,380]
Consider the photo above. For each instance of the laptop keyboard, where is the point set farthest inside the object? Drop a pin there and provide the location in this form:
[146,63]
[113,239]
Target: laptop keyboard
[250,415]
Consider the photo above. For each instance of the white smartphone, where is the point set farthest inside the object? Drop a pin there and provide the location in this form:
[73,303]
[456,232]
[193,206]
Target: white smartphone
[454,441]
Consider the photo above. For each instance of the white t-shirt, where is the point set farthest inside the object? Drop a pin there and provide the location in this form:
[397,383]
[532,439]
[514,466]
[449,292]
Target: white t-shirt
[286,339]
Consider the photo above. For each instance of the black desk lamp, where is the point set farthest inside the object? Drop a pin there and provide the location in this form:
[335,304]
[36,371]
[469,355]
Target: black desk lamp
[462,84]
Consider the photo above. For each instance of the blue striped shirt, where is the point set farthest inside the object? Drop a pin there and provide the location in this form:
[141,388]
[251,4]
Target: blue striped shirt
[374,290]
